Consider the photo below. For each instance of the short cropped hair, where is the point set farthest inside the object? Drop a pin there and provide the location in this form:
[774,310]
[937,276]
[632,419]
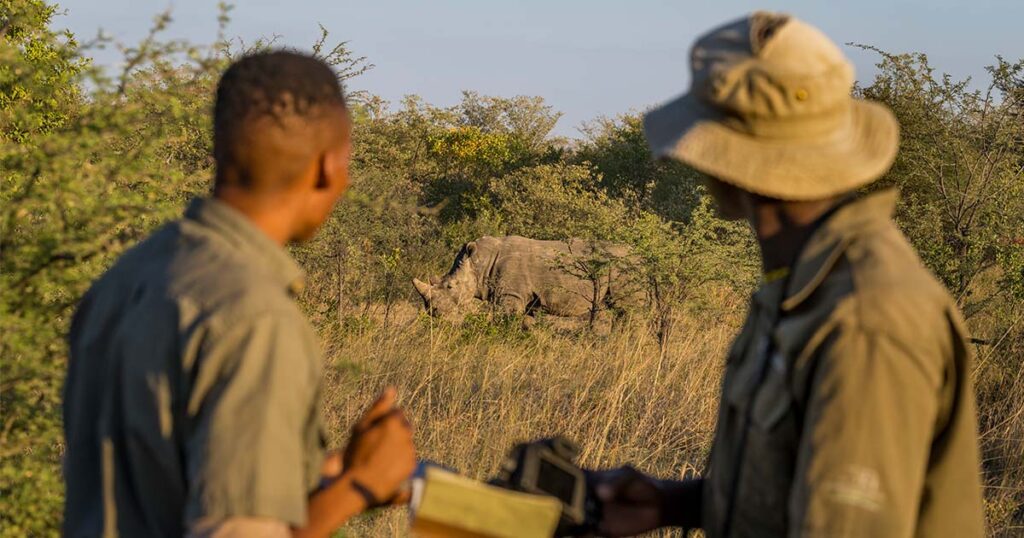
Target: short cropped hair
[273,83]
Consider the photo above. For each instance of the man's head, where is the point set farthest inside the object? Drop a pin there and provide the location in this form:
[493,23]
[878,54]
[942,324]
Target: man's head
[281,141]
[770,117]
[767,216]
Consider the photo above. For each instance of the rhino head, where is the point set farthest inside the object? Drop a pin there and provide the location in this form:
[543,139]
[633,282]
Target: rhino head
[452,294]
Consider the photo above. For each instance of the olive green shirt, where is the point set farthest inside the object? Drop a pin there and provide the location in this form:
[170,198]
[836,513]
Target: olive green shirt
[847,407]
[193,384]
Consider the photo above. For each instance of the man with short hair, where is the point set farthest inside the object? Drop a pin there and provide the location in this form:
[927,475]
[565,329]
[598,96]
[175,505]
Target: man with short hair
[192,401]
[847,407]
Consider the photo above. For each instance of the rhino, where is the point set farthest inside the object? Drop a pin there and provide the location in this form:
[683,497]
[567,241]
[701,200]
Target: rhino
[526,276]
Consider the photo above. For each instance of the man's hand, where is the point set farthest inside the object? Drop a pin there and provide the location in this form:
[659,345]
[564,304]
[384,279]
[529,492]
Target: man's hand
[631,501]
[377,460]
[380,456]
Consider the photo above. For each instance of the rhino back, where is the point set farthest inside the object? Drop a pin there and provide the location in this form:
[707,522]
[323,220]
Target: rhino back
[528,269]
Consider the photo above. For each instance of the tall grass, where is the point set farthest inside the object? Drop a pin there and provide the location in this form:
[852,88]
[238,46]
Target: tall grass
[999,382]
[474,389]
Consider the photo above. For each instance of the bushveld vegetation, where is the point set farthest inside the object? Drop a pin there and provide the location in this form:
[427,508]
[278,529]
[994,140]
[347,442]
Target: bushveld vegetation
[92,161]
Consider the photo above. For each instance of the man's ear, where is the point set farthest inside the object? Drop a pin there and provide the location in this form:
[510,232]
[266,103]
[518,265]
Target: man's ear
[325,171]
[333,166]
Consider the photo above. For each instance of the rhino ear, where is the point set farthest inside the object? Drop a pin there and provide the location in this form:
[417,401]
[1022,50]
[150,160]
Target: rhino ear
[422,287]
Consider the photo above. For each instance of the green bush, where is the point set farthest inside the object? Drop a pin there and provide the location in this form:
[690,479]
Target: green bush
[92,162]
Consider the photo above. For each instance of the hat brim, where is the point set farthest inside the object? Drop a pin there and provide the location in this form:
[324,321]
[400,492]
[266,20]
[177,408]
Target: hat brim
[857,153]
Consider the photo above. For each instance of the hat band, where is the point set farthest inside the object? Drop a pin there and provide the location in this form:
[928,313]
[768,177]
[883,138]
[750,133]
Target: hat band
[791,128]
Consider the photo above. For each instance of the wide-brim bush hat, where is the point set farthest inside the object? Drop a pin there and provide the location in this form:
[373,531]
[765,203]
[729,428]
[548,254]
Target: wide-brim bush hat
[770,111]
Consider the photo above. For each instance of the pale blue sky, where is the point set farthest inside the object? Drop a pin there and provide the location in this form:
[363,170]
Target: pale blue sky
[585,57]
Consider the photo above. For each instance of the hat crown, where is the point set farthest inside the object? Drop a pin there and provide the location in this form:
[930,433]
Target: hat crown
[770,112]
[770,66]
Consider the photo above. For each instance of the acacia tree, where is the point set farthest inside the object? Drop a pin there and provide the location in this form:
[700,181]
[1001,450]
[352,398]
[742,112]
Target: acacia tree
[960,170]
[596,266]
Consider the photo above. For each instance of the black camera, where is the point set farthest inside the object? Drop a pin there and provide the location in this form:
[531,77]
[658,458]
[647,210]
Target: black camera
[548,467]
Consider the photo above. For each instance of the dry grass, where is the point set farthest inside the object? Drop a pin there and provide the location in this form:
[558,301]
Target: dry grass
[474,390]
[999,380]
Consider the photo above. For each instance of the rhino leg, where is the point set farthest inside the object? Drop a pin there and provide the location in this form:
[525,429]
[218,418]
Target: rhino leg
[511,304]
[517,306]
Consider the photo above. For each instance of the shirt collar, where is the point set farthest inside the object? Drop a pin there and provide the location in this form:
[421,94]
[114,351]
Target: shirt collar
[828,243]
[232,225]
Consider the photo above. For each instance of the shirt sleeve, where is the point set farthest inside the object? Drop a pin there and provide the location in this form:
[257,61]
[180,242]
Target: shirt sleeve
[867,432]
[249,454]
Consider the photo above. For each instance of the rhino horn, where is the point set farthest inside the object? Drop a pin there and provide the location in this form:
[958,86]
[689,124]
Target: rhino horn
[422,287]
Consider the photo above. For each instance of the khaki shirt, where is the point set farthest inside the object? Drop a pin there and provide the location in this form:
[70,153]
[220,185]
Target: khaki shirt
[193,385]
[860,419]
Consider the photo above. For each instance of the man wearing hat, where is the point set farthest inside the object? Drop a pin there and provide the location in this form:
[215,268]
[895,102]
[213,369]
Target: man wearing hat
[847,407]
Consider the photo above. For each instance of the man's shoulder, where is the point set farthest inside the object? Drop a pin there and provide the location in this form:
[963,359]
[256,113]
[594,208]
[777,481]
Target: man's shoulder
[131,271]
[885,270]
[207,277]
[893,295]
[184,267]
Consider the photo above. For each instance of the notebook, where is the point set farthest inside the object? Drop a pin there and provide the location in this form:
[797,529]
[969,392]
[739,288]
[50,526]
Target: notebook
[446,504]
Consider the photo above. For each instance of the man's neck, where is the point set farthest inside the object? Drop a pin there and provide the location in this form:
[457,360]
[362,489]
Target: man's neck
[270,219]
[783,229]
